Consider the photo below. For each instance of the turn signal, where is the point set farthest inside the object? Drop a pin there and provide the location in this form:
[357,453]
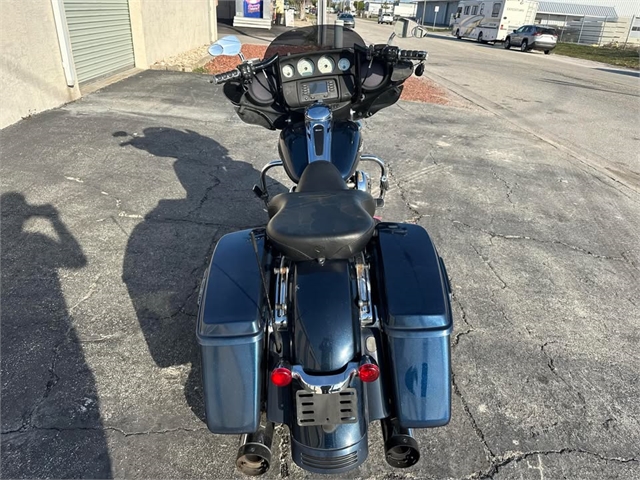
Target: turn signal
[281,377]
[368,372]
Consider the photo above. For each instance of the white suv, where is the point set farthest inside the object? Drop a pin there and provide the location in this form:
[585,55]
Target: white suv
[386,18]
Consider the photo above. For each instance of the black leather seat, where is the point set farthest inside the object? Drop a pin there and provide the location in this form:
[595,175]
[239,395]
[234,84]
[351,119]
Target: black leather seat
[323,219]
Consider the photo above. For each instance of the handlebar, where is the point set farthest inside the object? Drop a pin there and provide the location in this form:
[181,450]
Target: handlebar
[245,70]
[226,76]
[412,55]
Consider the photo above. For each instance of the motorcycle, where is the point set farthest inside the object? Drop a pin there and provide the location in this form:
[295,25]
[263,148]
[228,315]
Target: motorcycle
[327,319]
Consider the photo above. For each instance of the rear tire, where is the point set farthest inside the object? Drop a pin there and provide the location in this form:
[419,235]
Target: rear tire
[524,46]
[458,34]
[480,38]
[547,52]
[507,43]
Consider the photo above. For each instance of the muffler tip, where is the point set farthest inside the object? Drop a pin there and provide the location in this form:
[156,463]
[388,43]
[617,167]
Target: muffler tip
[401,451]
[253,459]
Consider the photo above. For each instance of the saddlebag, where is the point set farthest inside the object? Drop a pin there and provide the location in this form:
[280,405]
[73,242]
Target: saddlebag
[230,333]
[417,322]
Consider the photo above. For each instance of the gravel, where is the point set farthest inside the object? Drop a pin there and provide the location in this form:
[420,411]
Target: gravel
[185,62]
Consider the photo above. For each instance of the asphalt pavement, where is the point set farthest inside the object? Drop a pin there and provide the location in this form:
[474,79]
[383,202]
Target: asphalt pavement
[111,206]
[588,110]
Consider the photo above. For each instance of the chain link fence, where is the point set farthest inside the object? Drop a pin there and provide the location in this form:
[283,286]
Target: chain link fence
[600,31]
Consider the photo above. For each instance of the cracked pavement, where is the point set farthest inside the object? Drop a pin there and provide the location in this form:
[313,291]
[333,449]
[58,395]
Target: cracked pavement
[110,209]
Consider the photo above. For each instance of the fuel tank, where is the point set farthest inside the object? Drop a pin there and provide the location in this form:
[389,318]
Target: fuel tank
[345,144]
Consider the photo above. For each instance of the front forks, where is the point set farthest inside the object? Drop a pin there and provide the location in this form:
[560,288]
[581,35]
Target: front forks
[360,180]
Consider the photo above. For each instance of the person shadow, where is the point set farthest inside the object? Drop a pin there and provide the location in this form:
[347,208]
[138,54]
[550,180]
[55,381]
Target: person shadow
[168,252]
[51,425]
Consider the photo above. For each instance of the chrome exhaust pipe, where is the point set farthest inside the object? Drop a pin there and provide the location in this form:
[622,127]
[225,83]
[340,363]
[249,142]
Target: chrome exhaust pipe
[254,452]
[400,448]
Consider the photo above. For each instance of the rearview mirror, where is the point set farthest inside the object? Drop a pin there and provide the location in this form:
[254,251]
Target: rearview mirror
[406,28]
[229,45]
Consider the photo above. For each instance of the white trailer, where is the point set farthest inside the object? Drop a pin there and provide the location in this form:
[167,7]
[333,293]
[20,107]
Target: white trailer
[491,21]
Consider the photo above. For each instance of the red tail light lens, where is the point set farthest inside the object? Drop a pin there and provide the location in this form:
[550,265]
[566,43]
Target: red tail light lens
[537,34]
[281,377]
[368,372]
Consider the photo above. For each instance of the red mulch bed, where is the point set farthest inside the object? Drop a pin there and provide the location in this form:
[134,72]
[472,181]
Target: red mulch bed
[415,89]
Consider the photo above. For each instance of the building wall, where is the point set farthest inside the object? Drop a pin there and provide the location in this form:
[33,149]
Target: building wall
[163,28]
[31,75]
[426,12]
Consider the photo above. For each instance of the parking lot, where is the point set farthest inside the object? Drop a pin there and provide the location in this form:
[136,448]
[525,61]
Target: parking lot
[111,207]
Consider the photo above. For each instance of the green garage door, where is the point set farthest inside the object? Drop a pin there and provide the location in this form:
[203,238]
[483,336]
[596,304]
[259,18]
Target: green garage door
[100,33]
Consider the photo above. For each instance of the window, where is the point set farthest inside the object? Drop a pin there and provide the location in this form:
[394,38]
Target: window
[474,10]
[521,30]
[496,10]
[635,29]
[546,31]
[466,10]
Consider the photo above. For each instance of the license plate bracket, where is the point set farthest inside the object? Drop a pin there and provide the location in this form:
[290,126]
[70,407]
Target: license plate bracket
[313,409]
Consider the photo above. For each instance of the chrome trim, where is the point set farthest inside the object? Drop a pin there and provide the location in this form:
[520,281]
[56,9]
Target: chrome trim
[318,115]
[325,383]
[367,317]
[263,178]
[282,283]
[362,181]
[329,383]
[384,176]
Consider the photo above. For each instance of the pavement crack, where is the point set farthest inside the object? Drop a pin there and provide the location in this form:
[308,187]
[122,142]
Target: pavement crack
[490,456]
[552,367]
[112,429]
[470,327]
[92,290]
[503,284]
[507,186]
[509,457]
[205,197]
[417,216]
[285,450]
[493,235]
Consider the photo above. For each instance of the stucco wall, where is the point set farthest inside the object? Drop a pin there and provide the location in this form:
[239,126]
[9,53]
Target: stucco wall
[163,28]
[31,74]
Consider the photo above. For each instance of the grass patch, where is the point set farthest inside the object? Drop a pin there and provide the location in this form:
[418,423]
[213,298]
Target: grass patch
[629,58]
[200,70]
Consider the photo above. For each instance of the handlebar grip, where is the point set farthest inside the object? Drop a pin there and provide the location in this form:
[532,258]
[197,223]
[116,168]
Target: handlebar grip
[413,55]
[226,76]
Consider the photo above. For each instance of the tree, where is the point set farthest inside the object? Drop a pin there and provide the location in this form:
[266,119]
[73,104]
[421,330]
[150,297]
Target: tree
[359,6]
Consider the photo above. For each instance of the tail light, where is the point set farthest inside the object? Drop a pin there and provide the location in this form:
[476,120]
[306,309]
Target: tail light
[281,376]
[537,34]
[368,372]
[501,27]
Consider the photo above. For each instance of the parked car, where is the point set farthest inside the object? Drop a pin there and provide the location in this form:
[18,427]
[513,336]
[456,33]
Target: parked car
[385,17]
[532,37]
[348,19]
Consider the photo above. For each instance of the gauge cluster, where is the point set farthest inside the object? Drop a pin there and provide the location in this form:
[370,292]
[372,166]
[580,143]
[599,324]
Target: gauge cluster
[327,77]
[311,65]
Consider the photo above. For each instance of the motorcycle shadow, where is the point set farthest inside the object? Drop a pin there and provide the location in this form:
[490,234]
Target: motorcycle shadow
[168,252]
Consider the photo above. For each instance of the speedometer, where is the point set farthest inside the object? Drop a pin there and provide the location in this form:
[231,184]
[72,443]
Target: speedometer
[305,67]
[325,64]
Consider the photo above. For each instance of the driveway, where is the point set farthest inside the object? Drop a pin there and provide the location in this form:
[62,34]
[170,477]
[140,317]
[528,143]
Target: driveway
[585,109]
[110,209]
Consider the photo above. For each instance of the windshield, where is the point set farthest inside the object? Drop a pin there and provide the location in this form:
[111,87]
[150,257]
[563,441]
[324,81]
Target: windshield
[311,39]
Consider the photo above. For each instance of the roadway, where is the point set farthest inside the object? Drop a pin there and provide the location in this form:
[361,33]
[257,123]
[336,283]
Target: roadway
[585,109]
